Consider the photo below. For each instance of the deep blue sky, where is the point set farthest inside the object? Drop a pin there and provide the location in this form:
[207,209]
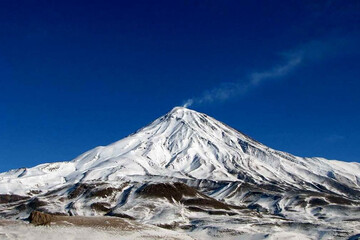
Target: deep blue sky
[78,74]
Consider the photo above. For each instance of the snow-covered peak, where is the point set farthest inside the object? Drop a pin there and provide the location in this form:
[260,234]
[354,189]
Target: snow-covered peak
[179,109]
[182,114]
[187,144]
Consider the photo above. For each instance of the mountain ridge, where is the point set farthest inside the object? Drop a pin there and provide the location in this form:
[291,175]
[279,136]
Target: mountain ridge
[188,143]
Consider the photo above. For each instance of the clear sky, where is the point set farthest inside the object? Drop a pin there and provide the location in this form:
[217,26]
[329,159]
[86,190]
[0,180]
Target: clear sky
[78,74]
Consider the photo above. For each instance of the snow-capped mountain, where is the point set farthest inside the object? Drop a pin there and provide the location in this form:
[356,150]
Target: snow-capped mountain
[187,166]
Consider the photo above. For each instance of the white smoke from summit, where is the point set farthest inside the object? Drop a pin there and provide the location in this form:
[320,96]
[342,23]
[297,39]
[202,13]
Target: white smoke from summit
[228,90]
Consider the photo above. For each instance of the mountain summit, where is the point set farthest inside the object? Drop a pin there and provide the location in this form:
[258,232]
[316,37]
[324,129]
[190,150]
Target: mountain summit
[189,158]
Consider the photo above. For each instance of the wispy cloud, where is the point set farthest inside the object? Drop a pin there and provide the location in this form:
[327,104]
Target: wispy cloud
[307,53]
[229,90]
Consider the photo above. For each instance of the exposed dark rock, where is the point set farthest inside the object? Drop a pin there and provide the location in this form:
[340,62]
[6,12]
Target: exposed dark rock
[317,202]
[35,192]
[170,191]
[103,193]
[93,190]
[339,200]
[21,207]
[211,212]
[257,207]
[10,198]
[79,189]
[100,206]
[208,202]
[271,187]
[170,226]
[36,203]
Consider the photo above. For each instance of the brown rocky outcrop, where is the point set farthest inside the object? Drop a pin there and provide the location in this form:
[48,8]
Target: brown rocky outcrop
[39,218]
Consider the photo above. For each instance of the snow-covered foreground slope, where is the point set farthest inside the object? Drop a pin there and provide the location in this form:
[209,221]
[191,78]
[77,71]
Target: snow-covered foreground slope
[223,178]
